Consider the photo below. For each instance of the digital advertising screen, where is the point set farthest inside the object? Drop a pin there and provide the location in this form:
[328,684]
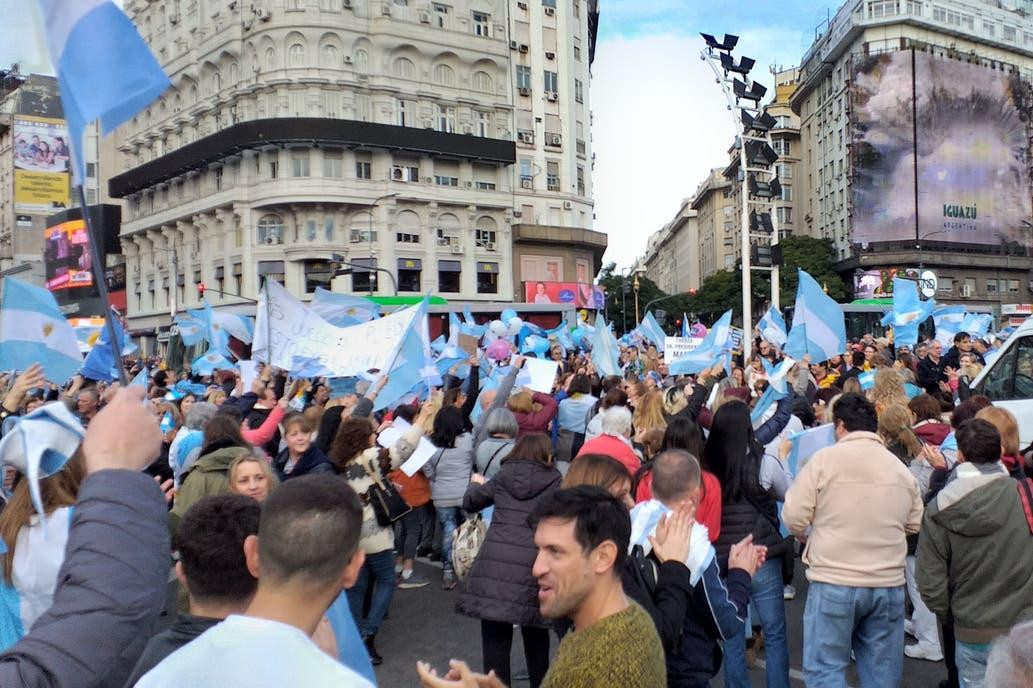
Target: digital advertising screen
[940,150]
[41,165]
[66,256]
[581,295]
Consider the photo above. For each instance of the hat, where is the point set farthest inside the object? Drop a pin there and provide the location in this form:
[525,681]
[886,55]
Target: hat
[40,444]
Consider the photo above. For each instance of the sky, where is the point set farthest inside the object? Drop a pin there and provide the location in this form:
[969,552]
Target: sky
[659,120]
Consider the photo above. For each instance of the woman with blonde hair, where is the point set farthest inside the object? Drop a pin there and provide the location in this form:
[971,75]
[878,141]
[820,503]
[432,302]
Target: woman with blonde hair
[533,410]
[252,477]
[888,389]
[649,413]
[895,431]
[1008,427]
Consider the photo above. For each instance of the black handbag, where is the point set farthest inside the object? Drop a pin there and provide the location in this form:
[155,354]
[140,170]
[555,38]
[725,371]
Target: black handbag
[388,505]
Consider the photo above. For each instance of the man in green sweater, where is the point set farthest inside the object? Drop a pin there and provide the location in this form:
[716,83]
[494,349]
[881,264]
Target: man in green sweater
[582,538]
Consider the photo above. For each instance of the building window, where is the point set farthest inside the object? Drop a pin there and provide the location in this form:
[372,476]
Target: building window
[580,180]
[330,58]
[577,53]
[310,230]
[482,24]
[552,175]
[363,170]
[579,91]
[1013,286]
[482,82]
[526,174]
[787,192]
[404,118]
[238,277]
[318,273]
[274,169]
[883,8]
[785,216]
[406,238]
[552,82]
[441,13]
[784,170]
[486,186]
[484,124]
[361,61]
[1009,33]
[443,74]
[363,279]
[487,278]
[446,119]
[270,230]
[485,238]
[446,181]
[549,3]
[296,55]
[989,28]
[271,269]
[299,164]
[449,276]
[409,270]
[404,67]
[523,77]
[333,163]
[781,146]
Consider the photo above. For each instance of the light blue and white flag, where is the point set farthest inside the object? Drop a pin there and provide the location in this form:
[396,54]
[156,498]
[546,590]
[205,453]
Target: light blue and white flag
[141,379]
[866,380]
[343,310]
[214,332]
[237,326]
[710,351]
[977,324]
[651,330]
[191,329]
[685,329]
[605,352]
[413,367]
[819,328]
[104,69]
[778,387]
[87,336]
[948,320]
[33,330]
[772,327]
[210,361]
[101,363]
[908,312]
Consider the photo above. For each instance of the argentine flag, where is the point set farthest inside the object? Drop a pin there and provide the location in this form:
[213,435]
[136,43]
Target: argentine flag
[908,312]
[605,352]
[343,310]
[819,328]
[772,327]
[104,69]
[32,330]
[948,321]
[709,351]
[652,331]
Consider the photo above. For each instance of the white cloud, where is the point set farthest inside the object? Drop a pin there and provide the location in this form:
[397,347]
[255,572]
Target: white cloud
[660,124]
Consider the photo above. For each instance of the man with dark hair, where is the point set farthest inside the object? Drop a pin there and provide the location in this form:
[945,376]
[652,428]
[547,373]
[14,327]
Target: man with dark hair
[692,605]
[306,552]
[974,554]
[855,369]
[962,345]
[211,566]
[582,535]
[859,503]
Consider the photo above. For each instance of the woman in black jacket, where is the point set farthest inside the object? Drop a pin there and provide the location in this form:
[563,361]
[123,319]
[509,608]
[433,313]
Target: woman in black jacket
[501,590]
[750,485]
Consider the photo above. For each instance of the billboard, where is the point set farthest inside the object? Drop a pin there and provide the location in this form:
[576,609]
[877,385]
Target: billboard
[41,165]
[579,294]
[66,256]
[940,150]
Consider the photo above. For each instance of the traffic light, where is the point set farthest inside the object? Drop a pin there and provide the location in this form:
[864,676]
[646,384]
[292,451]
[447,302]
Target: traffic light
[200,290]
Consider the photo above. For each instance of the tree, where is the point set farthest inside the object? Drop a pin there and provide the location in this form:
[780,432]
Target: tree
[620,305]
[817,257]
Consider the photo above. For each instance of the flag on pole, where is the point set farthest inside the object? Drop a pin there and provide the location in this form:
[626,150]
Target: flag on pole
[652,331]
[211,361]
[948,320]
[819,328]
[710,350]
[977,324]
[685,331]
[33,330]
[191,329]
[343,310]
[102,363]
[909,311]
[772,327]
[413,364]
[104,69]
[605,352]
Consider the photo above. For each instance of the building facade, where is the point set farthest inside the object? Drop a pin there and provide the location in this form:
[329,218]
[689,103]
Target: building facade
[996,36]
[383,132]
[716,222]
[672,258]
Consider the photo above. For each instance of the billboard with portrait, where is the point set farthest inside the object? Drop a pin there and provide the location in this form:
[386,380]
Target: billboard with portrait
[41,165]
[940,150]
[66,256]
[582,295]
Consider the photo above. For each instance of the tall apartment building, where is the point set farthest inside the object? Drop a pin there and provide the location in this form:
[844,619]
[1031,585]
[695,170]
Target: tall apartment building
[672,258]
[384,131]
[894,218]
[716,221]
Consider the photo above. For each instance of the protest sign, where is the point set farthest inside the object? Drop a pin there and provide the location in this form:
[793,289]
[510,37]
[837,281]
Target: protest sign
[468,343]
[676,347]
[543,374]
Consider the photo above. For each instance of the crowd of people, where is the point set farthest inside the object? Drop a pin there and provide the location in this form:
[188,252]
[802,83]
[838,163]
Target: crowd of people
[640,529]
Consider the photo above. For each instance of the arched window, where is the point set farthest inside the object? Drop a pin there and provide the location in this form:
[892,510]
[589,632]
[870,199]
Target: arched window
[296,55]
[486,236]
[407,227]
[216,83]
[234,73]
[270,58]
[270,230]
[482,81]
[361,60]
[329,56]
[443,74]
[448,230]
[404,68]
[359,229]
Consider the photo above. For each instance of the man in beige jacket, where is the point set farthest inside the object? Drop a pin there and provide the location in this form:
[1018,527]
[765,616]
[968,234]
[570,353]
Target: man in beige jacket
[855,503]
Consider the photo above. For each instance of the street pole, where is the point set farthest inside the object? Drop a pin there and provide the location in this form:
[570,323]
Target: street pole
[175,285]
[747,285]
[635,285]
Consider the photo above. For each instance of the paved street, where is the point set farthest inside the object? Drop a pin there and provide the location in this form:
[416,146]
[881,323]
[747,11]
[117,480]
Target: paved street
[423,625]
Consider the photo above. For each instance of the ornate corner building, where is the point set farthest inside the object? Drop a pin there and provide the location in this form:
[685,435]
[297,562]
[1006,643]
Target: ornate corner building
[448,143]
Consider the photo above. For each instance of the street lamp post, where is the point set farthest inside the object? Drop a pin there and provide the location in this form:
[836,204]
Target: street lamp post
[369,237]
[635,286]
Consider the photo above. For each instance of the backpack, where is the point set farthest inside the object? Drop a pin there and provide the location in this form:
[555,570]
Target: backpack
[1025,488]
[467,544]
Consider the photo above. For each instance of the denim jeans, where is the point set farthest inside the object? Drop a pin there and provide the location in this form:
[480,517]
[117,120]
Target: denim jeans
[769,605]
[379,567]
[841,618]
[448,517]
[971,658]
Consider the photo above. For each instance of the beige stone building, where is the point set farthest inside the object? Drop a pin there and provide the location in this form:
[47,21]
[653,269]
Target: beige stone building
[672,258]
[716,222]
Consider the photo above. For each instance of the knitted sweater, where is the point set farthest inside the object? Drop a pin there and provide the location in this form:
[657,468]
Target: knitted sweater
[622,649]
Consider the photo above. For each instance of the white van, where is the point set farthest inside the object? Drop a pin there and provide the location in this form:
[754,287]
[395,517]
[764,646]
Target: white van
[1008,379]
